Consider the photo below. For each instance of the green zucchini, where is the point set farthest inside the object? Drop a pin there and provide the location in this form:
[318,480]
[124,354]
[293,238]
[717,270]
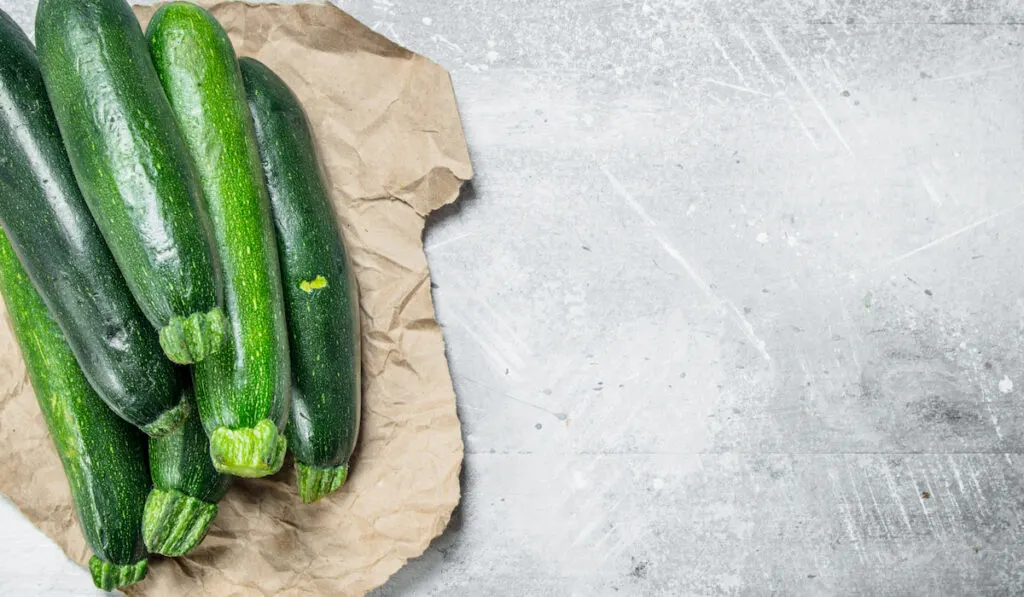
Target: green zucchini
[104,457]
[186,489]
[321,297]
[49,224]
[133,168]
[242,391]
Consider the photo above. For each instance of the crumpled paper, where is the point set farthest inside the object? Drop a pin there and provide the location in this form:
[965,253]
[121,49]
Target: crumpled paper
[392,144]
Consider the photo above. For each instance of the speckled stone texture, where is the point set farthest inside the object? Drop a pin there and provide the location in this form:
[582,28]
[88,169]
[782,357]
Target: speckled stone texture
[733,305]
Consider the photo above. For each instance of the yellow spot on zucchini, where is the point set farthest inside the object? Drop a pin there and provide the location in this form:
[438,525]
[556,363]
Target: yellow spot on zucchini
[316,283]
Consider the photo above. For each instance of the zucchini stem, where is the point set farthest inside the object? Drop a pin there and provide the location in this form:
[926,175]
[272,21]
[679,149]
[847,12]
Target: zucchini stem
[314,482]
[191,339]
[169,421]
[252,452]
[174,523]
[109,576]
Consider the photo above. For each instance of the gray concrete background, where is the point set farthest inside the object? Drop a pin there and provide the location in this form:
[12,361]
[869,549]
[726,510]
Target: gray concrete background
[734,305]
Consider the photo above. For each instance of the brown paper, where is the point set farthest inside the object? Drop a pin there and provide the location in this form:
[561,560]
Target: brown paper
[392,144]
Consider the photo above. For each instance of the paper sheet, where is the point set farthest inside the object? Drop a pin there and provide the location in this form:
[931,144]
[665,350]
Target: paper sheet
[392,144]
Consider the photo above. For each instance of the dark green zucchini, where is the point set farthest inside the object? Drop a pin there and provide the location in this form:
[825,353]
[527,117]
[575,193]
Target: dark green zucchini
[104,457]
[321,297]
[132,166]
[49,224]
[186,489]
[242,391]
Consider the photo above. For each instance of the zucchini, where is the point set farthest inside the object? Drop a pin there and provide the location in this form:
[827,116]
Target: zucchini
[243,390]
[321,296]
[50,227]
[104,457]
[133,168]
[186,489]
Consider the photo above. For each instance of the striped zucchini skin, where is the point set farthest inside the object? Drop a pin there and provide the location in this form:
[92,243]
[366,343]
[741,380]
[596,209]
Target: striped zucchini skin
[58,242]
[321,296]
[243,391]
[104,457]
[133,167]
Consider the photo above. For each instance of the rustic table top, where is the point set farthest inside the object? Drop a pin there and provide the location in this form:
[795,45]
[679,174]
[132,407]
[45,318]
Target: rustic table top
[733,307]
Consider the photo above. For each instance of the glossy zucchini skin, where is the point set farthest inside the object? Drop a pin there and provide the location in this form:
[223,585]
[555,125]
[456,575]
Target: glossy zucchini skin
[104,457]
[186,489]
[54,235]
[321,296]
[132,165]
[242,391]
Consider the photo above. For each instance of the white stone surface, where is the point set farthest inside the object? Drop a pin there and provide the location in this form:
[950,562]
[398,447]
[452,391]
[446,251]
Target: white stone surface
[734,305]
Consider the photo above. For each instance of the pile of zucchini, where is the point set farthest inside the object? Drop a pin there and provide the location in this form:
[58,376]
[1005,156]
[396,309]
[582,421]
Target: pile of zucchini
[167,235]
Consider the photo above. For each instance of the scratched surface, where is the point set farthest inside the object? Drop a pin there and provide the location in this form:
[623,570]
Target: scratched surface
[733,306]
